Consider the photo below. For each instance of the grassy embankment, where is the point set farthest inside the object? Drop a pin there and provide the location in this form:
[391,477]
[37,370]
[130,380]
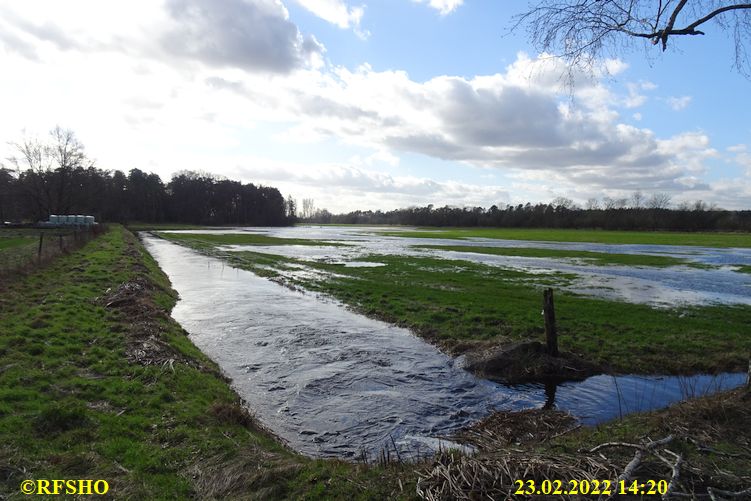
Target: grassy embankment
[704,239]
[462,305]
[98,382]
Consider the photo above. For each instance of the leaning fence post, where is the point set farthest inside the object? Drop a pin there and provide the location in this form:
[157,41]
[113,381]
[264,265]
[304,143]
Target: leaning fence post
[548,311]
[39,251]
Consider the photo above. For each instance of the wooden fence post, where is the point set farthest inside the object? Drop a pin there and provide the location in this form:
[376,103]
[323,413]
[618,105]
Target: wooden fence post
[548,311]
[39,251]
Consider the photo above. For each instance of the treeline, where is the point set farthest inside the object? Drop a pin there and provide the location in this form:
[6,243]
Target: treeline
[694,217]
[56,177]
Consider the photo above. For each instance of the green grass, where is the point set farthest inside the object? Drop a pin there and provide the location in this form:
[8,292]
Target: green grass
[600,258]
[7,243]
[744,269]
[594,236]
[204,240]
[73,406]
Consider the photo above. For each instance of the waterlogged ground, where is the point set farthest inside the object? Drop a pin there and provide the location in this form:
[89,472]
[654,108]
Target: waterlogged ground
[657,275]
[336,384]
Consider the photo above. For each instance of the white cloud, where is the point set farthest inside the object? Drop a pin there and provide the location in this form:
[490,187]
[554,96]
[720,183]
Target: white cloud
[635,97]
[443,6]
[336,12]
[678,103]
[254,35]
[516,120]
[345,187]
[742,156]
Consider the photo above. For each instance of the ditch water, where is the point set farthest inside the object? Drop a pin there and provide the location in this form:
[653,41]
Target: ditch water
[332,383]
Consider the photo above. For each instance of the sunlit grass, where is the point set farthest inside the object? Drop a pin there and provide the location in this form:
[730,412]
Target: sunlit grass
[706,239]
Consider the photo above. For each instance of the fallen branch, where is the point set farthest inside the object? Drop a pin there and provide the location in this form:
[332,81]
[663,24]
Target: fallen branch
[674,477]
[713,492]
[573,428]
[642,450]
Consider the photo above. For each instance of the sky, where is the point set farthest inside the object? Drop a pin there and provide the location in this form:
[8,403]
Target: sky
[374,104]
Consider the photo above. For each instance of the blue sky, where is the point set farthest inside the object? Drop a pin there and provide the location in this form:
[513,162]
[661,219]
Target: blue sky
[378,104]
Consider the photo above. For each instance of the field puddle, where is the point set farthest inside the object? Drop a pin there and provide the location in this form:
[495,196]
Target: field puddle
[332,383]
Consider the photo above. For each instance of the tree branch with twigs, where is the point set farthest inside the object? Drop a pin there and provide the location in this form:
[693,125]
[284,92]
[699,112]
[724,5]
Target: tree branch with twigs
[581,31]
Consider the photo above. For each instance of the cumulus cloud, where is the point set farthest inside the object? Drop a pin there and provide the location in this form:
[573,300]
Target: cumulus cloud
[253,35]
[443,6]
[516,120]
[343,187]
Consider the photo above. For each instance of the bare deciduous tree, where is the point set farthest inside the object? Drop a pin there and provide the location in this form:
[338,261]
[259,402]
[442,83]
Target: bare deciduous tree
[308,208]
[49,166]
[637,200]
[659,201]
[592,204]
[581,31]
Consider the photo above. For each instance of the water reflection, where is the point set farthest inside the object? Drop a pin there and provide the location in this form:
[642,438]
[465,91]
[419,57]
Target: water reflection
[604,398]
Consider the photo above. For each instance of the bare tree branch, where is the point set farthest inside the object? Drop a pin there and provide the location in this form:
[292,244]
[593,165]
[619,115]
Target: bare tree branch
[582,31]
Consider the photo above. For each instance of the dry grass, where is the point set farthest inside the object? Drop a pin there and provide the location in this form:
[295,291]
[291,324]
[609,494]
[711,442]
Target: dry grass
[252,473]
[494,476]
[505,428]
[704,452]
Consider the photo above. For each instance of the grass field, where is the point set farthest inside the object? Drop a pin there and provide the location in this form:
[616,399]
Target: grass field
[198,240]
[120,393]
[7,243]
[594,236]
[458,304]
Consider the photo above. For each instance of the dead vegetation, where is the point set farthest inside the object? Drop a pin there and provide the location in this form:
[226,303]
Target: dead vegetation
[513,428]
[704,452]
[250,473]
[141,318]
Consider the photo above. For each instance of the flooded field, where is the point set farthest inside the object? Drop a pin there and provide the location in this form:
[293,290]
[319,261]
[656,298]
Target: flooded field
[336,384]
[706,276]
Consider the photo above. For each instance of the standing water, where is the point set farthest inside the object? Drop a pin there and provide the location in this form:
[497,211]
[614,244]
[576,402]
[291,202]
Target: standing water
[332,383]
